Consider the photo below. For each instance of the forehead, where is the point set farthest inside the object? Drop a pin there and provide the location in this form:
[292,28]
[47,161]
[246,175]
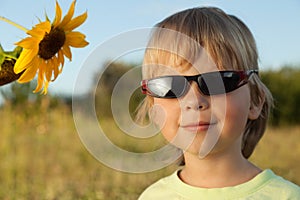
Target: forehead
[163,63]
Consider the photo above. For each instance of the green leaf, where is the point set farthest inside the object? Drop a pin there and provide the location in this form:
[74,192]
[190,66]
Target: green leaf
[1,49]
[17,51]
[2,58]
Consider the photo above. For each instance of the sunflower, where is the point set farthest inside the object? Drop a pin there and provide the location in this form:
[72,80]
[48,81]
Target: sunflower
[44,51]
[7,62]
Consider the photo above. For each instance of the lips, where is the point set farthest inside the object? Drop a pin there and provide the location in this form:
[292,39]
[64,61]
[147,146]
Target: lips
[198,126]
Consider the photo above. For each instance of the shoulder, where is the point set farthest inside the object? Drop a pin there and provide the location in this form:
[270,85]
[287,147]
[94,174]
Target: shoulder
[162,189]
[283,187]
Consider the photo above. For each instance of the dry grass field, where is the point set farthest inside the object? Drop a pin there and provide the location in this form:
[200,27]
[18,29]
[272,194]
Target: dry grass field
[42,157]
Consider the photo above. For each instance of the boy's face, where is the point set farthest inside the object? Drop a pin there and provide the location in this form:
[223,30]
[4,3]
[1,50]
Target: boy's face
[214,124]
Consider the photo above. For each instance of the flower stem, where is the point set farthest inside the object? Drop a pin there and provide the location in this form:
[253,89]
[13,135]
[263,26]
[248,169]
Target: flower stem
[14,24]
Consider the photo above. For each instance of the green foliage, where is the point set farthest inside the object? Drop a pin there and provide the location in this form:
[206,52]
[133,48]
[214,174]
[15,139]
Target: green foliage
[284,84]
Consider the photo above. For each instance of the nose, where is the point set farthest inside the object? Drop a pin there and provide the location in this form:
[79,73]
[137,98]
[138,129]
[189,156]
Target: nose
[194,99]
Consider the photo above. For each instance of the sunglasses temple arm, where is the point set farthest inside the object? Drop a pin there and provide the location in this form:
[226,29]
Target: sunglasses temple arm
[144,86]
[247,76]
[250,72]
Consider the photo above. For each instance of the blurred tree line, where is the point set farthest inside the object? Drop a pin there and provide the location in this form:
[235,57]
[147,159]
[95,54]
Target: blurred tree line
[106,81]
[284,83]
[20,97]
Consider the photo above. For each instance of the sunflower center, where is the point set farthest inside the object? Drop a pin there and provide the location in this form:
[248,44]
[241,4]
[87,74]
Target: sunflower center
[51,43]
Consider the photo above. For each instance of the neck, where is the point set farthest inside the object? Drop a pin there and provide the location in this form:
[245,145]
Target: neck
[217,171]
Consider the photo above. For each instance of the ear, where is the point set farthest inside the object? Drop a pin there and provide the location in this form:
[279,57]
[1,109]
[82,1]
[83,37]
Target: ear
[255,110]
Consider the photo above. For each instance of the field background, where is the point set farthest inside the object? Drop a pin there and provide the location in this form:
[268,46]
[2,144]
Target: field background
[42,157]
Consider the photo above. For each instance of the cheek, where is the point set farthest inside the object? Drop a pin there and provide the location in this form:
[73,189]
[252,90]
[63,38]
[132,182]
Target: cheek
[237,110]
[167,116]
[158,115]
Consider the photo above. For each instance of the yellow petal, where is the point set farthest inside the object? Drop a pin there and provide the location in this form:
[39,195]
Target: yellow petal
[74,23]
[69,15]
[27,76]
[76,39]
[67,51]
[39,85]
[61,68]
[37,33]
[61,58]
[46,26]
[40,80]
[29,73]
[40,29]
[57,15]
[75,34]
[48,70]
[25,58]
[46,84]
[55,68]
[28,43]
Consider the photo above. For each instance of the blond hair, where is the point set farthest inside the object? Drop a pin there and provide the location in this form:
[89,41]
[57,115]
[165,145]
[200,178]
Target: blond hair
[229,43]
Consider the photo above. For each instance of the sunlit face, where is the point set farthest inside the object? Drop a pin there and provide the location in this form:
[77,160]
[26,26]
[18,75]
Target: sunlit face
[186,121]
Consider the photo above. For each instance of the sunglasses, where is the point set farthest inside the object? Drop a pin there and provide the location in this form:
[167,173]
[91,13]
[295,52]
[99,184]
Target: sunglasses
[211,83]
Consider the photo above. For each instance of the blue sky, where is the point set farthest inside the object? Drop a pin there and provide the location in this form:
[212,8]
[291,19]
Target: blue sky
[275,25]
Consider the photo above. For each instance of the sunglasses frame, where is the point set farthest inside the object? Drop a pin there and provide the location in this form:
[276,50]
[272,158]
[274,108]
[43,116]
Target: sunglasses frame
[243,79]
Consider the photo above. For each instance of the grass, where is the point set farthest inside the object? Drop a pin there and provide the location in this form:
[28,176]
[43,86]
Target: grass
[42,157]
[279,150]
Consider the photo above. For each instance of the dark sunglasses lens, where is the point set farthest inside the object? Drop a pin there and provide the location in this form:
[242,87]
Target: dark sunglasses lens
[167,87]
[231,81]
[215,83]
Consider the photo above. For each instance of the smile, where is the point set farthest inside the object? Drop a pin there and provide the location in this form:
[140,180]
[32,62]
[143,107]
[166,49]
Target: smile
[197,127]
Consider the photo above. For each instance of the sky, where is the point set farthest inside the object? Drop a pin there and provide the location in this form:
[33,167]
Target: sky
[274,24]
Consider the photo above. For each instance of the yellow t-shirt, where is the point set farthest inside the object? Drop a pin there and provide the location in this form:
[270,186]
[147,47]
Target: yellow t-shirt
[264,186]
